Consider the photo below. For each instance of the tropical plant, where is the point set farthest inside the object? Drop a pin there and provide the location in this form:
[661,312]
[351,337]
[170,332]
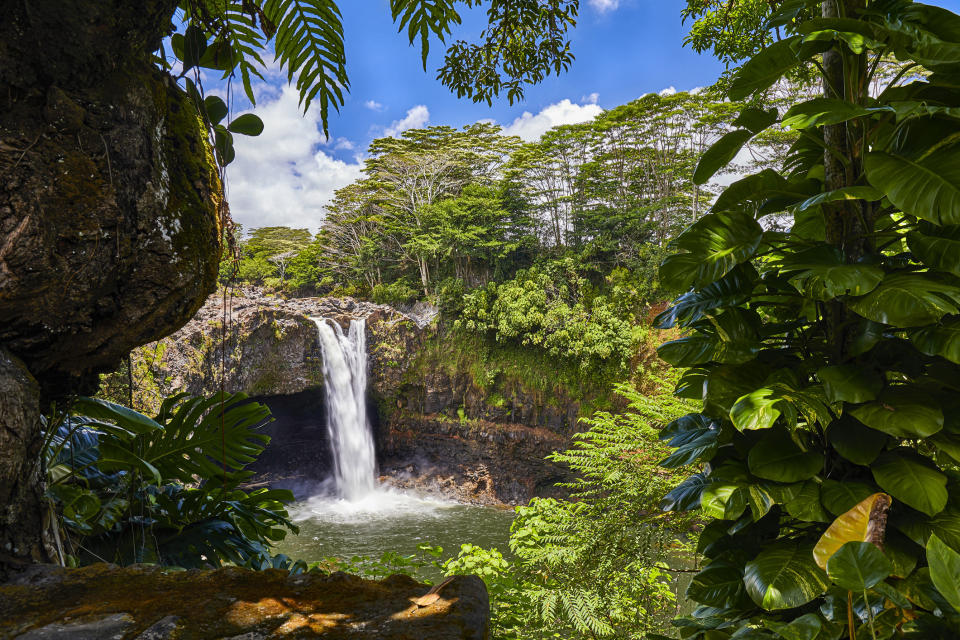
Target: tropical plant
[596,564]
[826,358]
[132,488]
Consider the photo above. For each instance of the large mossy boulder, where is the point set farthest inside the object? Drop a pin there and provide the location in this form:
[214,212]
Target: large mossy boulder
[110,209]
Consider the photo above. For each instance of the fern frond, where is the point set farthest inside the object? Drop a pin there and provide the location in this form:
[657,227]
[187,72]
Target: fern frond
[309,45]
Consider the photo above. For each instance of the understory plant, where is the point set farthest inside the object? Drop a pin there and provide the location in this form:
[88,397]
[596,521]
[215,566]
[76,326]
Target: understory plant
[826,358]
[165,489]
[597,564]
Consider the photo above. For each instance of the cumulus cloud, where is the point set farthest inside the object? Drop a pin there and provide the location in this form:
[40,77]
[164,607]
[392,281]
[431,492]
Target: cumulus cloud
[530,127]
[605,5]
[415,118]
[283,177]
[669,91]
[373,105]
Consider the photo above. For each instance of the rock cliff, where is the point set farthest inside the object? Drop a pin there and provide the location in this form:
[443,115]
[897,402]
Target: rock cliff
[148,603]
[436,429]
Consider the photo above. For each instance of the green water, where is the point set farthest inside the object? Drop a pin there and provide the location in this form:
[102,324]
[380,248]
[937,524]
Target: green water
[387,521]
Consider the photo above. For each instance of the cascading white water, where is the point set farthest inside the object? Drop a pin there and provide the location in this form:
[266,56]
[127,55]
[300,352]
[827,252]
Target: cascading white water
[345,380]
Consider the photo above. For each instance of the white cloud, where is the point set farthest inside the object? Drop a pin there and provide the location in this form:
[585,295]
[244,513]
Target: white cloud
[415,118]
[605,5]
[282,177]
[530,127]
[669,91]
[373,105]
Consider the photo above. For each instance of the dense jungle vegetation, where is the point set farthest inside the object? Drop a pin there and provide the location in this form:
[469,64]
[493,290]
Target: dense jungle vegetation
[810,455]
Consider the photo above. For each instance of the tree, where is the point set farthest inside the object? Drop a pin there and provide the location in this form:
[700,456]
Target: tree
[826,357]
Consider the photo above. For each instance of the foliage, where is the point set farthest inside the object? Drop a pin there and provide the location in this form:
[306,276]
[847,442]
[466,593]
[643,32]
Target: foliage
[165,489]
[553,310]
[824,355]
[595,564]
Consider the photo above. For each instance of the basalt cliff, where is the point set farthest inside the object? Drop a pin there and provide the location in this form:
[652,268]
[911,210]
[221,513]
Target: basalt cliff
[439,426]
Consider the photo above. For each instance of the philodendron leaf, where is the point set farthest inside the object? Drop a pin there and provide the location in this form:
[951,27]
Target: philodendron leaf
[855,441]
[686,495]
[124,417]
[723,501]
[756,120]
[944,570]
[903,412]
[857,566]
[710,249]
[806,627]
[777,457]
[822,273]
[927,188]
[840,497]
[784,576]
[756,410]
[940,339]
[911,479]
[820,112]
[846,193]
[940,249]
[863,523]
[765,68]
[720,154]
[850,383]
[909,300]
[717,585]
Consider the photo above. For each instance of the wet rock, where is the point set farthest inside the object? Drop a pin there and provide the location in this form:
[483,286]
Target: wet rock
[146,603]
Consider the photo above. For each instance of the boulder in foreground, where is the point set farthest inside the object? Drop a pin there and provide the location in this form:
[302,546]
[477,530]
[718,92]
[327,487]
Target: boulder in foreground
[148,603]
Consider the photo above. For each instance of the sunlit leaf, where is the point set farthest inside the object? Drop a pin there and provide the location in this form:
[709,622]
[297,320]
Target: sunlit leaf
[784,576]
[862,523]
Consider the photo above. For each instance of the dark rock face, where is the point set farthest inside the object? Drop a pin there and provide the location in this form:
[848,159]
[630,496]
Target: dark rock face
[143,603]
[109,196]
[21,504]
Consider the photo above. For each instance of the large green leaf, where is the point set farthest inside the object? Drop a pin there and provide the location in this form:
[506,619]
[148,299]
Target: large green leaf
[720,154]
[702,445]
[756,120]
[850,383]
[712,247]
[857,566]
[944,570]
[730,337]
[846,193]
[928,188]
[730,290]
[777,457]
[911,479]
[903,412]
[247,124]
[131,420]
[806,627]
[909,300]
[822,272]
[939,340]
[724,501]
[757,410]
[784,576]
[840,497]
[855,441]
[821,112]
[940,249]
[806,505]
[686,495]
[765,68]
[717,585]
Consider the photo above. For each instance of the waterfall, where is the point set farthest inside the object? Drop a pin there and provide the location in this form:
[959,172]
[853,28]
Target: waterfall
[345,380]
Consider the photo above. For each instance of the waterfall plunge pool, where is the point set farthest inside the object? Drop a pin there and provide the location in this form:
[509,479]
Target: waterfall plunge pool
[386,520]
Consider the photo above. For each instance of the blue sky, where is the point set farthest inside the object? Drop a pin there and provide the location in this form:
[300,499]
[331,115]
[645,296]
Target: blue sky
[624,49]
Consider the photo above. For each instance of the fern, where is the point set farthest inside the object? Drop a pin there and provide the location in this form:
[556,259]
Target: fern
[309,44]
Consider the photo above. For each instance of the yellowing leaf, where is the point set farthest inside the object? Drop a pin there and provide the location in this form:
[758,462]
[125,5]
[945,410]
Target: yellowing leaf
[859,524]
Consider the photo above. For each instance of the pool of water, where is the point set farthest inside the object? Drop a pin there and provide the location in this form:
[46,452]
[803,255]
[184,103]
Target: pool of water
[388,520]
